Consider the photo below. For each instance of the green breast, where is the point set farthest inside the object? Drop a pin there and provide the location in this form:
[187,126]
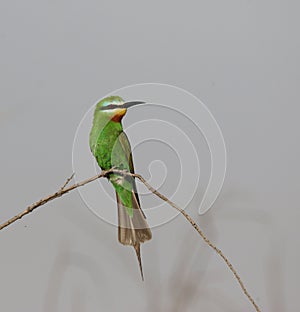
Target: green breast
[104,144]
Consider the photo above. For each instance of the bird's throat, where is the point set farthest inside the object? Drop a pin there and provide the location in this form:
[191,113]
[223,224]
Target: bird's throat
[117,117]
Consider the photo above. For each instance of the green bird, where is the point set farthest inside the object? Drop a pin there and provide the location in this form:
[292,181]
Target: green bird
[111,148]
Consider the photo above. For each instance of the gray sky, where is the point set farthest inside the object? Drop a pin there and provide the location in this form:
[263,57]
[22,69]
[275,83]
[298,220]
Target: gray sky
[241,58]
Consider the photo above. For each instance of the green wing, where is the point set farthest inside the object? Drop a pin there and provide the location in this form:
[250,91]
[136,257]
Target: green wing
[124,142]
[121,158]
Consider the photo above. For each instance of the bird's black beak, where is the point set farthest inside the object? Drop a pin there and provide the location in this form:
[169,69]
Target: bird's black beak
[132,103]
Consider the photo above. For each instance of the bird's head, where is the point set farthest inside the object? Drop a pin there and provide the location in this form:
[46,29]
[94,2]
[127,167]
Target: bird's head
[114,107]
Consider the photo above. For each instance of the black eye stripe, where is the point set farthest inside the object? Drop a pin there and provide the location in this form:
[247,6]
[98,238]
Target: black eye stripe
[110,106]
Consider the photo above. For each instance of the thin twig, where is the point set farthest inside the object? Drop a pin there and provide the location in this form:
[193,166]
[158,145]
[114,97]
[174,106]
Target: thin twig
[67,181]
[63,190]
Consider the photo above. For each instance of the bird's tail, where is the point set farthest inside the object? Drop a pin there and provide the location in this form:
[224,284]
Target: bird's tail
[133,230]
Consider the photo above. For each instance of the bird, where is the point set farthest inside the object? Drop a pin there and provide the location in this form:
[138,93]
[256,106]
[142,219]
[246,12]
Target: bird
[111,148]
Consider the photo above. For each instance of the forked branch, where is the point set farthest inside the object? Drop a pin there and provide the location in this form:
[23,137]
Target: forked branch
[64,189]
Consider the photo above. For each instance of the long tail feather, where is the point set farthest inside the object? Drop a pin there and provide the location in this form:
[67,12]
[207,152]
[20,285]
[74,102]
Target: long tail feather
[137,249]
[133,230]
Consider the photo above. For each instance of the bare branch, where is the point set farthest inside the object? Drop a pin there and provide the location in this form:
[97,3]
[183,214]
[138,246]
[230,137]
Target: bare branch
[63,190]
[207,241]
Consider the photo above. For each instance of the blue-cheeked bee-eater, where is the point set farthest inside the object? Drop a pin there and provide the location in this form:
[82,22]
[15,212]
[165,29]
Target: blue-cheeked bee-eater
[111,148]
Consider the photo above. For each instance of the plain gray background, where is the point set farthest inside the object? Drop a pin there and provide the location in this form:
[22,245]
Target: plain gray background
[241,58]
